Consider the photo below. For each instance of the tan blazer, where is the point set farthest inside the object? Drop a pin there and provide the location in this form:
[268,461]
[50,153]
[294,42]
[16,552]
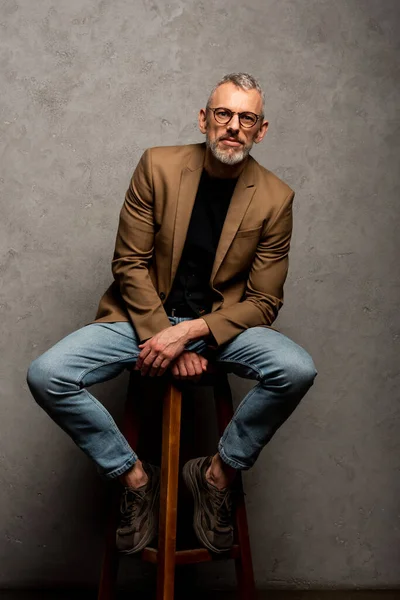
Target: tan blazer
[251,262]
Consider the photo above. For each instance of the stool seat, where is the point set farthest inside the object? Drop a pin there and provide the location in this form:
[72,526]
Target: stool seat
[166,556]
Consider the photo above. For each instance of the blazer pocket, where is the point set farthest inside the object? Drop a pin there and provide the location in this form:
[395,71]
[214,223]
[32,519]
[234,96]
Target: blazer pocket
[242,250]
[248,232]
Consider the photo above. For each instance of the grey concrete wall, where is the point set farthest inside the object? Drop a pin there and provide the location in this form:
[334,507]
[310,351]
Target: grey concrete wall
[86,86]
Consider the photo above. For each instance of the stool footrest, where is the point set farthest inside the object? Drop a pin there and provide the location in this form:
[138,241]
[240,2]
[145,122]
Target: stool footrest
[191,556]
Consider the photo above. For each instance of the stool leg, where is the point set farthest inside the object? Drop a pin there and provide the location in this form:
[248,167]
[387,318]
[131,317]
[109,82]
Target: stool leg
[168,493]
[109,570]
[243,564]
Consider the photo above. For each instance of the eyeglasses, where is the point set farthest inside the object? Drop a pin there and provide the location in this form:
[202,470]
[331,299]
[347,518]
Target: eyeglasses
[224,115]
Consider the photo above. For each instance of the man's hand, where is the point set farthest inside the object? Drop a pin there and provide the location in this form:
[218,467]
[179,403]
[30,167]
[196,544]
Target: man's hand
[189,366]
[158,352]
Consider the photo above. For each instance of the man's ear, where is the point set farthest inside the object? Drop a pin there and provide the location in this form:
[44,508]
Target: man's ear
[261,132]
[202,120]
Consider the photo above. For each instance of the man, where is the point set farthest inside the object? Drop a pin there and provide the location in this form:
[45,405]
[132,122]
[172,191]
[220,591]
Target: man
[200,260]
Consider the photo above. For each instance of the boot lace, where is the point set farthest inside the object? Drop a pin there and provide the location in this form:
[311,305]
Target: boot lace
[130,502]
[221,502]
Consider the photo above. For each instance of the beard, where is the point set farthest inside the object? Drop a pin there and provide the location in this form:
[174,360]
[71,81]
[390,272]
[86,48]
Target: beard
[230,156]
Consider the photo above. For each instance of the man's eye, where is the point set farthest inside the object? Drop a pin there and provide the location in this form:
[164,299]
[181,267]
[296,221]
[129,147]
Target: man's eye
[248,118]
[222,113]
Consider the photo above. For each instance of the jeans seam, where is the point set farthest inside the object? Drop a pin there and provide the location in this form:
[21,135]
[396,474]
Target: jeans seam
[243,364]
[230,461]
[238,410]
[120,470]
[103,364]
[256,370]
[111,420]
[99,404]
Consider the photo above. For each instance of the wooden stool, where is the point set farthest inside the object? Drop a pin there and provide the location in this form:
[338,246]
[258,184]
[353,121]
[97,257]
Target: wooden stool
[166,556]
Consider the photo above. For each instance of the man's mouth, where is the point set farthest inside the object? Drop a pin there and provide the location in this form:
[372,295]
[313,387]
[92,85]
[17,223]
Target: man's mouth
[230,142]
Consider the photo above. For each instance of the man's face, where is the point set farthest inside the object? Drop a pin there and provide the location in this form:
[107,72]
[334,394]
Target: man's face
[231,143]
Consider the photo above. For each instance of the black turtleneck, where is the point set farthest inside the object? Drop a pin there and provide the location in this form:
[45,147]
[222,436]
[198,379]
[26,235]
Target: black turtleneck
[191,294]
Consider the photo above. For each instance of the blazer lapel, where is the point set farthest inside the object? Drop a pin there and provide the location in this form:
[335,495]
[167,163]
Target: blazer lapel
[242,195]
[190,179]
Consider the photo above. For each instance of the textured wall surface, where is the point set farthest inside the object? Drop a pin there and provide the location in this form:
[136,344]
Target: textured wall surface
[88,85]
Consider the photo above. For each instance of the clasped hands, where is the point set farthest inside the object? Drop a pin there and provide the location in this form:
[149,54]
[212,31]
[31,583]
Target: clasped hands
[166,350]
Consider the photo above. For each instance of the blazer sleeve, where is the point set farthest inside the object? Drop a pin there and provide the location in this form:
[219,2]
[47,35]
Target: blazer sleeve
[263,296]
[133,253]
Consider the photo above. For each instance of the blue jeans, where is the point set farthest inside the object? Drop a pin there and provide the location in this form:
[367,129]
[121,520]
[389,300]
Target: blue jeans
[98,352]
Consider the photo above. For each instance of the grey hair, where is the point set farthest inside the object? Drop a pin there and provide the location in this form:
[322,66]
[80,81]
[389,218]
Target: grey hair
[243,81]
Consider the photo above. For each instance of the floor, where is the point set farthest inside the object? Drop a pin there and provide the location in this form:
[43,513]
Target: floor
[265,595]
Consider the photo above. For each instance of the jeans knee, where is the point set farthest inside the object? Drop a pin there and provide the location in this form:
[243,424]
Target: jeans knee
[296,370]
[303,371]
[38,378]
[34,376]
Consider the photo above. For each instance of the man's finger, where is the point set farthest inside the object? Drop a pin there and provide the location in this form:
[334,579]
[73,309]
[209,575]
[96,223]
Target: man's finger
[204,363]
[175,371]
[147,363]
[182,369]
[197,363]
[190,368]
[196,368]
[144,353]
[153,370]
[196,372]
[164,366]
[156,366]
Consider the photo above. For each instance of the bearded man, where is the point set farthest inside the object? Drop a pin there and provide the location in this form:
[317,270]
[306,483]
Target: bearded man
[200,261]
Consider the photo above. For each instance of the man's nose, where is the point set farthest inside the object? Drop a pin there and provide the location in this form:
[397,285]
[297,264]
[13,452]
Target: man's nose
[234,123]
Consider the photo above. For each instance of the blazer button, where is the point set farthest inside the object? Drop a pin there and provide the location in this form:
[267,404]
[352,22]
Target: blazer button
[162,295]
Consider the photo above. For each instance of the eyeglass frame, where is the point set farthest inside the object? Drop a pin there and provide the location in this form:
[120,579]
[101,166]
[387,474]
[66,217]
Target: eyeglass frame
[258,117]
